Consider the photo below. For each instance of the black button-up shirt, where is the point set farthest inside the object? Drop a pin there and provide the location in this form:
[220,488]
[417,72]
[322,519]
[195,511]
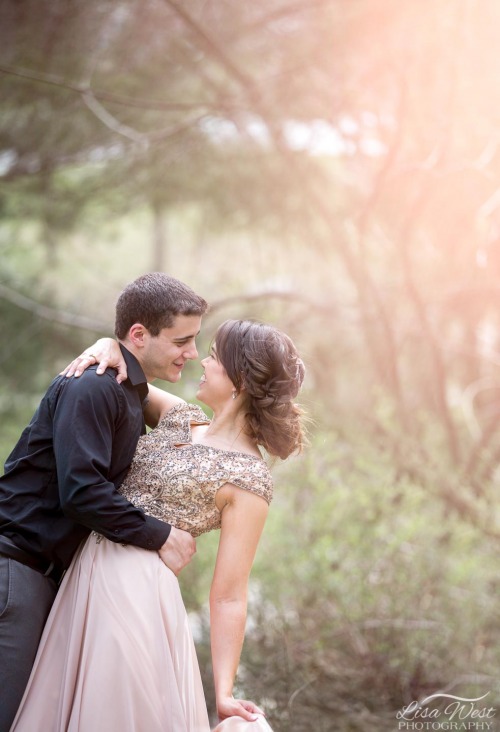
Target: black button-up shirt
[60,480]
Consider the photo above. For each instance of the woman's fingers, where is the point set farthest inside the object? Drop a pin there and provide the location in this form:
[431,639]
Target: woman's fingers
[250,707]
[122,370]
[103,356]
[239,708]
[78,365]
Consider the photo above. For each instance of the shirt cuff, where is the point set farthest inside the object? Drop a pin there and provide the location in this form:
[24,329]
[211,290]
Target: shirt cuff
[153,535]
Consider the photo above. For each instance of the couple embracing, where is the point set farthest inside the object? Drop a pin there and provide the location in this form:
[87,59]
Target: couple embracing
[97,518]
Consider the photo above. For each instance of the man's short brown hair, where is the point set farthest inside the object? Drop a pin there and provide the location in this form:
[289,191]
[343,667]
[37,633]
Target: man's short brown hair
[154,300]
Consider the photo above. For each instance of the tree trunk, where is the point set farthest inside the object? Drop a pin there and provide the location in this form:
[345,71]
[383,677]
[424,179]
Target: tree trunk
[159,238]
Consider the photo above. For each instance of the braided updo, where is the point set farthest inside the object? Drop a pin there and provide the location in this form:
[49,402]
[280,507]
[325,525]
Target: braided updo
[263,364]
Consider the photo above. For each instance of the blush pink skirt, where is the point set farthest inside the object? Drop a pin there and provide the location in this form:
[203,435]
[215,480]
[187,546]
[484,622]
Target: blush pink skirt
[117,654]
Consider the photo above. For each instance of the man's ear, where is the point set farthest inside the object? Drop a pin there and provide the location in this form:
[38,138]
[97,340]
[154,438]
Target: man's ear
[137,335]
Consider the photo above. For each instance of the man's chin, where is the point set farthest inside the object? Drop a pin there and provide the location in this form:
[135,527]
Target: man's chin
[173,376]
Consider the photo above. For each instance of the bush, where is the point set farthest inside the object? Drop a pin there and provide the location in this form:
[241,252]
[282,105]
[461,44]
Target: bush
[367,593]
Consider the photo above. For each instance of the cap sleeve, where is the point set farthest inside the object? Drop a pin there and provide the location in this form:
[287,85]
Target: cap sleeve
[252,474]
[177,421]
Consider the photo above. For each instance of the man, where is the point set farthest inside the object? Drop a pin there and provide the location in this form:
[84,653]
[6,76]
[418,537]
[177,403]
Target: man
[60,480]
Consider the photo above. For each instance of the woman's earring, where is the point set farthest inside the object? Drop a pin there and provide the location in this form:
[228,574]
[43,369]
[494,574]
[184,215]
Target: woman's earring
[234,394]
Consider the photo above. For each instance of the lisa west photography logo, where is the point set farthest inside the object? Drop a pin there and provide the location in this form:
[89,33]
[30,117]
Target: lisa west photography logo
[445,712]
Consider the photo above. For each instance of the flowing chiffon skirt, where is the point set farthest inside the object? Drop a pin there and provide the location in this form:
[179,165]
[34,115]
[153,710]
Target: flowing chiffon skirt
[117,653]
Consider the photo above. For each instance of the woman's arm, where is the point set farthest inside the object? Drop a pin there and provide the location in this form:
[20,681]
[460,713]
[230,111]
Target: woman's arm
[105,352]
[242,521]
[160,402]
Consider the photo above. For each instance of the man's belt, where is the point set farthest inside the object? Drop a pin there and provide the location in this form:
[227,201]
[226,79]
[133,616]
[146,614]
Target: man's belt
[48,569]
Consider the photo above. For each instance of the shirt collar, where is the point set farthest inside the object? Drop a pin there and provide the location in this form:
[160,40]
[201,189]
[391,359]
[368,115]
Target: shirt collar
[135,374]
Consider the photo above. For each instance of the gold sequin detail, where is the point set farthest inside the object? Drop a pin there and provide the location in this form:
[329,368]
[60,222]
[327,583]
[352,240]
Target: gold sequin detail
[176,480]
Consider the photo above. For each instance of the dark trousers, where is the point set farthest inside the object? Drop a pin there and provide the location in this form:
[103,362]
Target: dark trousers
[26,597]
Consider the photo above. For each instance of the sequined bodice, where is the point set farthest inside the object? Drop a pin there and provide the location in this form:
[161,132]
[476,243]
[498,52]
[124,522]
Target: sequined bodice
[176,480]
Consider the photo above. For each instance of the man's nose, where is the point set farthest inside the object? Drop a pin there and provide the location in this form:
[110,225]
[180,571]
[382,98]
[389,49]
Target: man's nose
[191,352]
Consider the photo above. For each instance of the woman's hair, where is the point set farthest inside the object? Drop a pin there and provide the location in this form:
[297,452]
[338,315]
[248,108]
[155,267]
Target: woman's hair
[154,300]
[262,362]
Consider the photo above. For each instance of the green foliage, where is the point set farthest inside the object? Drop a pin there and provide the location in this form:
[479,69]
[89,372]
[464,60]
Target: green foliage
[366,595]
[331,167]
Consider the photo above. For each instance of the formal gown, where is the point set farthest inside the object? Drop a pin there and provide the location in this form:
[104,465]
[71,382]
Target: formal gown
[117,653]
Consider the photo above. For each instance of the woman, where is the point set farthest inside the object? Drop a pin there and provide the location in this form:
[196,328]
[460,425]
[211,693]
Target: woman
[117,654]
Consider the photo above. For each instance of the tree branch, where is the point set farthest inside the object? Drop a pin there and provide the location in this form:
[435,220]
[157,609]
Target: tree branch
[52,314]
[210,45]
[110,121]
[99,326]
[105,96]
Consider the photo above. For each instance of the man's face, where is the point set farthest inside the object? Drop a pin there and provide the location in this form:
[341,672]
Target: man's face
[163,356]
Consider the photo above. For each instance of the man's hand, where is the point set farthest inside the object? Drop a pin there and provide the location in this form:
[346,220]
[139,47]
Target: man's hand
[178,550]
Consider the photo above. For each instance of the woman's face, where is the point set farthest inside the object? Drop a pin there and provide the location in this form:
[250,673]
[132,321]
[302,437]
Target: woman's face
[215,385]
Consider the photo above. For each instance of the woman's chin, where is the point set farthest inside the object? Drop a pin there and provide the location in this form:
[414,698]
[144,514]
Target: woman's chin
[199,397]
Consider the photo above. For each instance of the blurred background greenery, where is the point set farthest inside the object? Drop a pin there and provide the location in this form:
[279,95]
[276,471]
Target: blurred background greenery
[333,167]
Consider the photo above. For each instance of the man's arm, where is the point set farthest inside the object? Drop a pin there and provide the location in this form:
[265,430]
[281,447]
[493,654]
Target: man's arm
[106,353]
[86,422]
